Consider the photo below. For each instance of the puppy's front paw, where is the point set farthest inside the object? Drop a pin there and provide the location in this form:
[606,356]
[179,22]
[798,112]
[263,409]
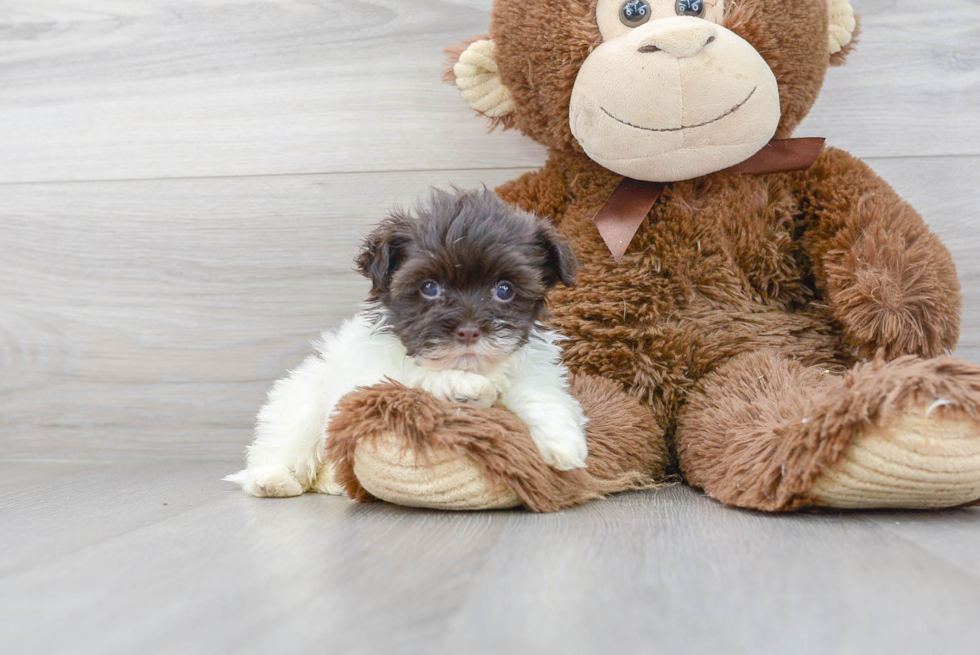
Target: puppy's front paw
[474,389]
[268,482]
[563,449]
[460,387]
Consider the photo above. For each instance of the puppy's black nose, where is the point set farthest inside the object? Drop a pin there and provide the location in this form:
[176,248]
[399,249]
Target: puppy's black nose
[467,334]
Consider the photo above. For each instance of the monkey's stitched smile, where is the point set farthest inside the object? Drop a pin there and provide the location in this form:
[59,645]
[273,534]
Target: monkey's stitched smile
[682,127]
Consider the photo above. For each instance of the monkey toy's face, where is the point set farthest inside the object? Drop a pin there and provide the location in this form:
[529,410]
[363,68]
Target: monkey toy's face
[657,90]
[671,94]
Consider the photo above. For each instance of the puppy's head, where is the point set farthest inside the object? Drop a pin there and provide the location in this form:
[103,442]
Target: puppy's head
[463,277]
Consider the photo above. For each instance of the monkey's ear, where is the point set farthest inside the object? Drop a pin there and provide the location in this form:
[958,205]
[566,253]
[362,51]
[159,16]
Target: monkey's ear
[559,258]
[842,29]
[381,253]
[476,75]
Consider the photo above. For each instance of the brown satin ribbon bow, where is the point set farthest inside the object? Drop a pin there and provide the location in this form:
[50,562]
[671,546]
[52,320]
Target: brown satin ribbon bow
[631,202]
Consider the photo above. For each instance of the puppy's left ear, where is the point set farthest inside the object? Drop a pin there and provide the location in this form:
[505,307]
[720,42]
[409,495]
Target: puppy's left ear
[381,254]
[559,258]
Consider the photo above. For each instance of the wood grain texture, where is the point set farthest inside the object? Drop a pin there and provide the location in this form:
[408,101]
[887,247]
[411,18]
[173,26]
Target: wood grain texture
[148,318]
[103,89]
[163,558]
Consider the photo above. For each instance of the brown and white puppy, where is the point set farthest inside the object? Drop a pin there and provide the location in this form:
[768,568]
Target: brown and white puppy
[458,288]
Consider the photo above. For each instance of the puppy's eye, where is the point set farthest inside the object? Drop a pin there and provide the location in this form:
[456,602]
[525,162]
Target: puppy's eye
[430,289]
[689,8]
[503,291]
[634,13]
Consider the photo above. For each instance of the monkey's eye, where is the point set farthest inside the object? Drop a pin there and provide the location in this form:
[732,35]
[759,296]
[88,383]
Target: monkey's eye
[503,291]
[430,289]
[634,12]
[689,8]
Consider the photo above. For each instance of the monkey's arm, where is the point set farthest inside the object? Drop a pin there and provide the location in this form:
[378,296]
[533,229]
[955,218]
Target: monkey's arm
[887,278]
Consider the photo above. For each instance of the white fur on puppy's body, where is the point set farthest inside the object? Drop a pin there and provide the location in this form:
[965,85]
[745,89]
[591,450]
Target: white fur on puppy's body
[286,457]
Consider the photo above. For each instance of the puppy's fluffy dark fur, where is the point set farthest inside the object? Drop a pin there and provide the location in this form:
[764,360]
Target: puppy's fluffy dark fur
[467,243]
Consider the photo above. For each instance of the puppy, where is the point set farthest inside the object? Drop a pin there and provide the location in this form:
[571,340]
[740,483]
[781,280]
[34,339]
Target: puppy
[457,292]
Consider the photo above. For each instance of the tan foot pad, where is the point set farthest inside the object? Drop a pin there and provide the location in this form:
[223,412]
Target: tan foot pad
[915,462]
[390,472]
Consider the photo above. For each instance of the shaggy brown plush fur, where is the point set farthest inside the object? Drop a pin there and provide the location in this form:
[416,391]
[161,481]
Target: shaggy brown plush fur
[737,311]
[716,270]
[820,266]
[758,432]
[888,280]
[621,453]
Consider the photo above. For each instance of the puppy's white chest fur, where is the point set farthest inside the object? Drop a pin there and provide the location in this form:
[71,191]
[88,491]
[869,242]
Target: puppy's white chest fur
[364,345]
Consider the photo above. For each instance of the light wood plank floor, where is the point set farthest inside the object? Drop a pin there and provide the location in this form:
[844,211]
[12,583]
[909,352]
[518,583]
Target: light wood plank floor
[136,557]
[183,184]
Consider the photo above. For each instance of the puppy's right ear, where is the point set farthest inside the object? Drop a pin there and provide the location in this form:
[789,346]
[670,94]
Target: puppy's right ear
[381,254]
[559,258]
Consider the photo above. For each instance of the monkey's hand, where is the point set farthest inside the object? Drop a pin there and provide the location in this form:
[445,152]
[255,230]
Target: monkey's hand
[888,280]
[894,292]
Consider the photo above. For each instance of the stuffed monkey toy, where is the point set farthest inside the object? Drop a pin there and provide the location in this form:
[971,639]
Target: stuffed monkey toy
[761,314]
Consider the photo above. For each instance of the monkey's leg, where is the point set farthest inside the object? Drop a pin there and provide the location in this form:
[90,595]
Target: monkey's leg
[407,447]
[767,433]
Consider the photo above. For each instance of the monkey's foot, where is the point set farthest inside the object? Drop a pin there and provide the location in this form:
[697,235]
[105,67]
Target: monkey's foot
[445,480]
[920,459]
[407,447]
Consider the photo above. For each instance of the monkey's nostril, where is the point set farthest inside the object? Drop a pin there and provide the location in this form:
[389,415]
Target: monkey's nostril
[649,48]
